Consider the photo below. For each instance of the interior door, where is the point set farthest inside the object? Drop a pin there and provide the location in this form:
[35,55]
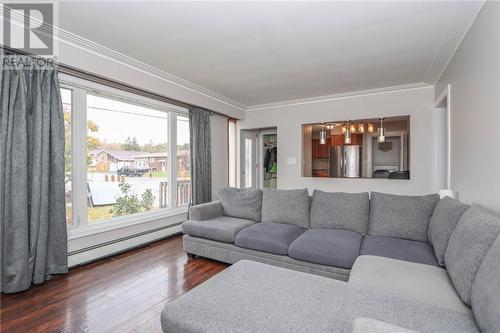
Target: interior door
[248,149]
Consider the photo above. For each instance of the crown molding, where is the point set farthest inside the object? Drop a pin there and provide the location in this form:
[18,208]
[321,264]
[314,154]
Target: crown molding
[64,36]
[458,26]
[326,98]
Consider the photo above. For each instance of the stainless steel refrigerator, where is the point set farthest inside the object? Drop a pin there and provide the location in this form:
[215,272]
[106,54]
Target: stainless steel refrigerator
[345,161]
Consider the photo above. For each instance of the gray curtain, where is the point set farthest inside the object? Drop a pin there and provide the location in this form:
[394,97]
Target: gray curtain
[32,200]
[201,165]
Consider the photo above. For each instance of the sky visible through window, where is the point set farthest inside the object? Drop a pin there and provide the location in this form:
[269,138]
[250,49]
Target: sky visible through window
[112,116]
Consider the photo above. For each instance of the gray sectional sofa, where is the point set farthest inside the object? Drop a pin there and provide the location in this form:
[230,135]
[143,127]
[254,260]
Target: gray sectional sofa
[405,263]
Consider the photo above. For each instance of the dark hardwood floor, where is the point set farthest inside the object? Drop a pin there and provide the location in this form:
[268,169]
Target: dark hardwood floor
[124,293]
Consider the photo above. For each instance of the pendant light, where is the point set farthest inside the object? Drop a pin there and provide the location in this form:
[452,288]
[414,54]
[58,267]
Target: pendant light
[371,128]
[381,131]
[347,134]
[322,135]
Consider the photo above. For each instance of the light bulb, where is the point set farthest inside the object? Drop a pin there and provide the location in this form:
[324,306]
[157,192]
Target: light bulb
[381,132]
[322,137]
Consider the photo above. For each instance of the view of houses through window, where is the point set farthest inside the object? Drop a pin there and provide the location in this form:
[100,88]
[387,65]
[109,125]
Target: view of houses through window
[127,158]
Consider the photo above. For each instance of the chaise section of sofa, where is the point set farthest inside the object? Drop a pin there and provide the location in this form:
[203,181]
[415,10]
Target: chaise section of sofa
[425,283]
[255,297]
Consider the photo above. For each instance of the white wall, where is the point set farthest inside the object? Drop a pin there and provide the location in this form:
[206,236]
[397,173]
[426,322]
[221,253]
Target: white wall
[474,76]
[218,128]
[418,103]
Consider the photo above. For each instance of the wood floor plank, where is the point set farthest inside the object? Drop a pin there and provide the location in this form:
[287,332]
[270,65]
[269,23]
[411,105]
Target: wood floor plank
[124,293]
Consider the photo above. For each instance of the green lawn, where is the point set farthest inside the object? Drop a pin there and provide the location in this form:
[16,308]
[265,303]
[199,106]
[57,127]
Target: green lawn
[94,213]
[99,213]
[161,174]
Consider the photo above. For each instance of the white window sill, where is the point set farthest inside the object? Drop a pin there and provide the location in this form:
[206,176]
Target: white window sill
[122,222]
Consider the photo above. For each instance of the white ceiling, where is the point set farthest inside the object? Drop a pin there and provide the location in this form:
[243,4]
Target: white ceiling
[265,52]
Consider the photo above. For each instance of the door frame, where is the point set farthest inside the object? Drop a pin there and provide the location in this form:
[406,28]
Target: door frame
[257,135]
[253,135]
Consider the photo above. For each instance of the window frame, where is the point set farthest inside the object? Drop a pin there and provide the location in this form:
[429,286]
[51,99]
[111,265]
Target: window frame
[79,90]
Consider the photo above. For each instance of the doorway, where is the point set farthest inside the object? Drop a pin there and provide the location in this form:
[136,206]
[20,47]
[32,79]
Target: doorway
[442,141]
[259,158]
[268,146]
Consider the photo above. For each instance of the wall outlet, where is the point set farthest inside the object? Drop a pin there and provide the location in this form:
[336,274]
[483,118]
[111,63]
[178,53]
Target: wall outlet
[291,160]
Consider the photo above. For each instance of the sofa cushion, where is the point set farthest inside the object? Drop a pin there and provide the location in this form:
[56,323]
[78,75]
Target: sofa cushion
[443,221]
[467,247]
[397,248]
[423,283]
[254,297]
[268,237]
[230,253]
[222,228]
[205,211]
[241,203]
[348,211]
[333,247]
[401,216]
[286,206]
[369,325]
[485,298]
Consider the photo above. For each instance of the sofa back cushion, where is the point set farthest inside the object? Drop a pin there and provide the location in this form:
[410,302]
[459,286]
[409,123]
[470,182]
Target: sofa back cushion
[485,298]
[443,221]
[241,203]
[286,206]
[467,247]
[349,211]
[401,216]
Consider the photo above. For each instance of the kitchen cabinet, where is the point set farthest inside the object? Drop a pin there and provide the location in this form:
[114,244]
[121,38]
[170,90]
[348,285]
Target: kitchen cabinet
[338,140]
[319,150]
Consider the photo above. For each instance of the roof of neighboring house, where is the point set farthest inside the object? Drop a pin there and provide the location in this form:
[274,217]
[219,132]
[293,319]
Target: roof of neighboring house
[125,155]
[147,155]
[183,152]
[163,154]
[122,155]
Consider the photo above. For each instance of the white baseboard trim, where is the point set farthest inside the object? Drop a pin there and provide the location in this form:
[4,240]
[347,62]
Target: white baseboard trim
[93,253]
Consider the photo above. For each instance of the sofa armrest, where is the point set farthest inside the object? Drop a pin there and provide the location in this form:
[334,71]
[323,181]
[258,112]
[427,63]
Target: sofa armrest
[369,325]
[205,211]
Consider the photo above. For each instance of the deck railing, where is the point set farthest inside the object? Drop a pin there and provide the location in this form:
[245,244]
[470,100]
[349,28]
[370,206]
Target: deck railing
[183,193]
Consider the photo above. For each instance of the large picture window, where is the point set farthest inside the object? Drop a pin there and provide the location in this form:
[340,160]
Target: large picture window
[119,162]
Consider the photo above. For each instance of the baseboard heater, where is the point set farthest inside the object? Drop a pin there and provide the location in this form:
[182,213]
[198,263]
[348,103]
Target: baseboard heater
[110,248]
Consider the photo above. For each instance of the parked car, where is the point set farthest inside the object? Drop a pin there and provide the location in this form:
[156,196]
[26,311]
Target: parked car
[132,172]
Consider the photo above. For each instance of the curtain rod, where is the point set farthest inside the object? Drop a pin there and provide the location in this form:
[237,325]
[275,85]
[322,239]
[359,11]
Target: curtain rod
[85,75]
